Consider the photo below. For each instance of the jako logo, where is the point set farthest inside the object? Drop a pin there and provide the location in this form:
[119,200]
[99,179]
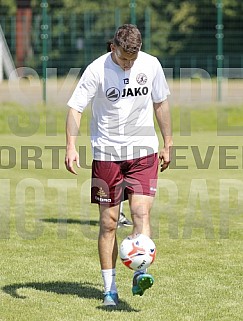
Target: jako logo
[140,91]
[113,94]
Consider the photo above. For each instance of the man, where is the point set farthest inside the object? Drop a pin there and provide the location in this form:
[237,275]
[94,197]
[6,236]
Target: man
[123,221]
[125,88]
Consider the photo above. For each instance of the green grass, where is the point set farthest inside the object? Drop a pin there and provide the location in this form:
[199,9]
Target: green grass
[50,120]
[48,235]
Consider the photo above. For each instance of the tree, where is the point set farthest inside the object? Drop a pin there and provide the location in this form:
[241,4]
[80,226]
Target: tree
[7,7]
[172,30]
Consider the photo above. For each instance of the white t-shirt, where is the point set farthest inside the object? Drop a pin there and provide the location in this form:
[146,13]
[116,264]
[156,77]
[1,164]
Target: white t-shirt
[122,126]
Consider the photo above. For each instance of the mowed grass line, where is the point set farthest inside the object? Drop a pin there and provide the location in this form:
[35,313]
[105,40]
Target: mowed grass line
[49,261]
[50,119]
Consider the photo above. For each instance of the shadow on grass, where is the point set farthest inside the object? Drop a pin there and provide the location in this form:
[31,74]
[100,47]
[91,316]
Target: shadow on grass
[70,221]
[85,290]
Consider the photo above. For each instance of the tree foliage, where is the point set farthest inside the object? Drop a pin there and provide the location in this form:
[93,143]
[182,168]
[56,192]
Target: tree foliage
[176,27]
[7,7]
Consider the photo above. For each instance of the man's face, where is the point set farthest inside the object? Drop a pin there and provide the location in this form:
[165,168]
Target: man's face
[124,59]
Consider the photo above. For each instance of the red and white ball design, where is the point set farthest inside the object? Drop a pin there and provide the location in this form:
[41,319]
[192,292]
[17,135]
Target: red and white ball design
[137,252]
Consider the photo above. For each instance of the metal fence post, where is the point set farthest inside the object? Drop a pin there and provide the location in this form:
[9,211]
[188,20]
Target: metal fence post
[147,29]
[220,56]
[117,17]
[44,37]
[133,11]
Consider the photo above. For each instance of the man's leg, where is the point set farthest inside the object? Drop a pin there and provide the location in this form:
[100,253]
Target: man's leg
[140,206]
[123,221]
[108,251]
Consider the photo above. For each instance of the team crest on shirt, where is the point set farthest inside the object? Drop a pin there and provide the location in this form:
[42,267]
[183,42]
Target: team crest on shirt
[141,79]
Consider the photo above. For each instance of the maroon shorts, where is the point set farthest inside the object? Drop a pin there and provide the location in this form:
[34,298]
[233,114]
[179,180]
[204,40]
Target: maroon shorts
[113,181]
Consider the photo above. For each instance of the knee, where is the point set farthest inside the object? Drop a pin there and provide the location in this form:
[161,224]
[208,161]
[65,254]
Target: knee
[108,225]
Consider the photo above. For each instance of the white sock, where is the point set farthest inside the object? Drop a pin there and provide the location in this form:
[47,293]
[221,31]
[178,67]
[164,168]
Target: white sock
[109,278]
[121,207]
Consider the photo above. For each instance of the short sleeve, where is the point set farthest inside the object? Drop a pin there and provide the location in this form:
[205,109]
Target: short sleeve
[160,89]
[85,90]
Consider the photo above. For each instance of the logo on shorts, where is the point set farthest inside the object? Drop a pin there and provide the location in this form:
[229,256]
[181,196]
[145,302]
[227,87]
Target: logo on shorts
[141,79]
[153,189]
[101,196]
[101,192]
[113,94]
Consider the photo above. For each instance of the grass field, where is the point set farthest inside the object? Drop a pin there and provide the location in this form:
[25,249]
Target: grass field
[49,266]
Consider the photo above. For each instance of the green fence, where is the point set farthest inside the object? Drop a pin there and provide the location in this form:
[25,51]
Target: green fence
[75,40]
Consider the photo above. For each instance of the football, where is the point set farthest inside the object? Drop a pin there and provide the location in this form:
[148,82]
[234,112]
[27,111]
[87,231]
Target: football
[138,252]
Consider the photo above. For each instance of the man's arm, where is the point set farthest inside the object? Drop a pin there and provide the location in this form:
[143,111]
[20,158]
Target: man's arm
[72,130]
[162,113]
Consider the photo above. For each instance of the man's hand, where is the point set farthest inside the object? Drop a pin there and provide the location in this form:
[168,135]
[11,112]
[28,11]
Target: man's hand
[72,130]
[71,156]
[165,158]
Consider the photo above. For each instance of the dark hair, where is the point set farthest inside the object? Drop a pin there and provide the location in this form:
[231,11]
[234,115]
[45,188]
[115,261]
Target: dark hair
[128,37]
[108,45]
